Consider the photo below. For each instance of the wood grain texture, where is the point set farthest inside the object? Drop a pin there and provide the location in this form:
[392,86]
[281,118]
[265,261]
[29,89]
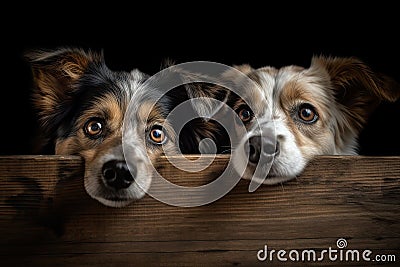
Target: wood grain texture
[47,219]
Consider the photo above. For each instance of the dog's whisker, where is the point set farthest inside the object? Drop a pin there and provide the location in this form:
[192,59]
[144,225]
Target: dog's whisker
[226,151]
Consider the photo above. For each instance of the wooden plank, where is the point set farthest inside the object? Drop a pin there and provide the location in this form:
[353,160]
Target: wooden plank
[28,187]
[47,219]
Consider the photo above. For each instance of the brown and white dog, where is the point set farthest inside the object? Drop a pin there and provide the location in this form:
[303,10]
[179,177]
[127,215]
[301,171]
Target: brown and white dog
[293,114]
[81,105]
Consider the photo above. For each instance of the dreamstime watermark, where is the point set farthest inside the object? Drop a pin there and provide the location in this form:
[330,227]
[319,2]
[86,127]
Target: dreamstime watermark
[338,253]
[197,106]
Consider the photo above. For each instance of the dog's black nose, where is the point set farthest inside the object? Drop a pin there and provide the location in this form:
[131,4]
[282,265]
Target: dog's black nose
[258,145]
[117,174]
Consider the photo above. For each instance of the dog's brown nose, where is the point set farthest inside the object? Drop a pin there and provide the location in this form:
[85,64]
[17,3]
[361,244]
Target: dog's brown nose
[117,175]
[261,146]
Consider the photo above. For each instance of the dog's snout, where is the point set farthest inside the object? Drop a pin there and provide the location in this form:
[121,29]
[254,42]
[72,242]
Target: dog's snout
[254,149]
[117,175]
[259,145]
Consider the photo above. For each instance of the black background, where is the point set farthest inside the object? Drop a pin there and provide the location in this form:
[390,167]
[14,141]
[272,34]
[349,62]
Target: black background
[138,36]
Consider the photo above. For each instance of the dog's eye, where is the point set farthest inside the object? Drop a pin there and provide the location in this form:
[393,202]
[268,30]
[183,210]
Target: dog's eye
[94,128]
[157,135]
[307,113]
[245,114]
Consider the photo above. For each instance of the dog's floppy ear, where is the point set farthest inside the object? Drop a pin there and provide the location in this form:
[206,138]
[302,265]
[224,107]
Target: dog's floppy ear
[55,77]
[206,93]
[197,91]
[357,88]
[200,89]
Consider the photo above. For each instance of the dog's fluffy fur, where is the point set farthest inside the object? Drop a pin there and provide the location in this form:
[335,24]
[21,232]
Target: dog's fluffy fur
[297,113]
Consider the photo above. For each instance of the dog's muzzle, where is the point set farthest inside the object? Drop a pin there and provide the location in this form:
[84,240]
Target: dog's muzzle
[117,175]
[262,144]
[261,147]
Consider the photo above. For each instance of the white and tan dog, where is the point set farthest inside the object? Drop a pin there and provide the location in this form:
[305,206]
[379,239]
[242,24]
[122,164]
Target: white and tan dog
[293,114]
